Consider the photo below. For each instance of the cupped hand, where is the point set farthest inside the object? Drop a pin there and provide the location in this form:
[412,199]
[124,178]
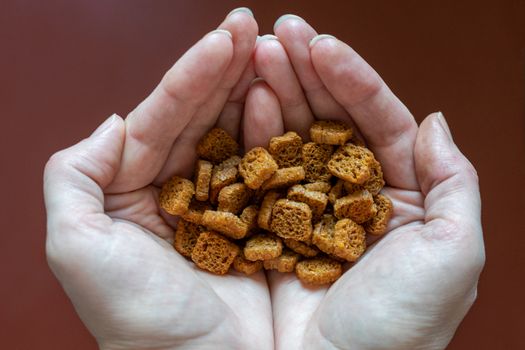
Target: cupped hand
[413,287]
[107,242]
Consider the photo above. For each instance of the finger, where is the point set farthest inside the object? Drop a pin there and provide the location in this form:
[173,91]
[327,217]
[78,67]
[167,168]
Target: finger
[386,124]
[181,159]
[74,180]
[231,114]
[153,126]
[448,181]
[262,116]
[272,64]
[295,35]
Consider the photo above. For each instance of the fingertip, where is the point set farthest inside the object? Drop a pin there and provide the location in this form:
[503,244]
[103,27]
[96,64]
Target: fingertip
[320,37]
[288,18]
[262,115]
[437,156]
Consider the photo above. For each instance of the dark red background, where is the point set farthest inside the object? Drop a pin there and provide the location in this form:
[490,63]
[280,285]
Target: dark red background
[67,65]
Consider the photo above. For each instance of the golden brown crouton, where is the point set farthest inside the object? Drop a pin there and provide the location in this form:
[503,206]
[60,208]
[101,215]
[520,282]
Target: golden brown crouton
[375,183]
[249,216]
[324,232]
[330,132]
[263,247]
[283,263]
[316,200]
[202,179]
[315,159]
[176,194]
[349,240]
[186,237]
[214,253]
[265,213]
[257,166]
[301,247]
[217,146]
[378,224]
[318,271]
[223,175]
[241,264]
[292,219]
[358,206]
[226,223]
[286,149]
[284,177]
[351,163]
[233,198]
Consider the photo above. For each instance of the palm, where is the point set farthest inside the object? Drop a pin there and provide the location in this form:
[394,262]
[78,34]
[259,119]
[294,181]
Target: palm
[143,283]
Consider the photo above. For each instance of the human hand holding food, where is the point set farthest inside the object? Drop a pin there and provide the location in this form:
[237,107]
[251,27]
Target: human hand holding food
[412,288]
[107,239]
[107,242]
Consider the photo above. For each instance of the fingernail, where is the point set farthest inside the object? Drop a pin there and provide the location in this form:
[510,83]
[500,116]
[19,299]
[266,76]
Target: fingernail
[105,126]
[285,18]
[444,124]
[267,37]
[256,80]
[241,9]
[221,31]
[320,37]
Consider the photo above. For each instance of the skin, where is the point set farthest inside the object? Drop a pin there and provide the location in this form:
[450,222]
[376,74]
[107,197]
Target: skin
[109,245]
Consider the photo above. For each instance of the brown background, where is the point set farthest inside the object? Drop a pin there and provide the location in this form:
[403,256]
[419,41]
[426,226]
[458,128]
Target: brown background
[67,65]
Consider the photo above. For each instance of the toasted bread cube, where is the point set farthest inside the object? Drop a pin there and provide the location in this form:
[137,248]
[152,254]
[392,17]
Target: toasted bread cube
[214,253]
[378,224]
[284,177]
[319,186]
[330,132]
[223,175]
[358,206]
[337,191]
[286,149]
[233,198]
[315,159]
[375,182]
[226,223]
[283,263]
[318,271]
[186,237]
[317,201]
[248,267]
[302,248]
[265,213]
[324,232]
[217,146]
[203,172]
[195,212]
[249,216]
[351,163]
[292,219]
[349,240]
[257,166]
[263,247]
[176,194]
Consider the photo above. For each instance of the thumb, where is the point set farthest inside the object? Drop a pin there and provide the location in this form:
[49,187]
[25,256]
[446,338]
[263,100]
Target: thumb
[74,179]
[450,185]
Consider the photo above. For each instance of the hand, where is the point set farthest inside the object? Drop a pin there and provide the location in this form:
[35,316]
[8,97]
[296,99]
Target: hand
[107,242]
[412,288]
